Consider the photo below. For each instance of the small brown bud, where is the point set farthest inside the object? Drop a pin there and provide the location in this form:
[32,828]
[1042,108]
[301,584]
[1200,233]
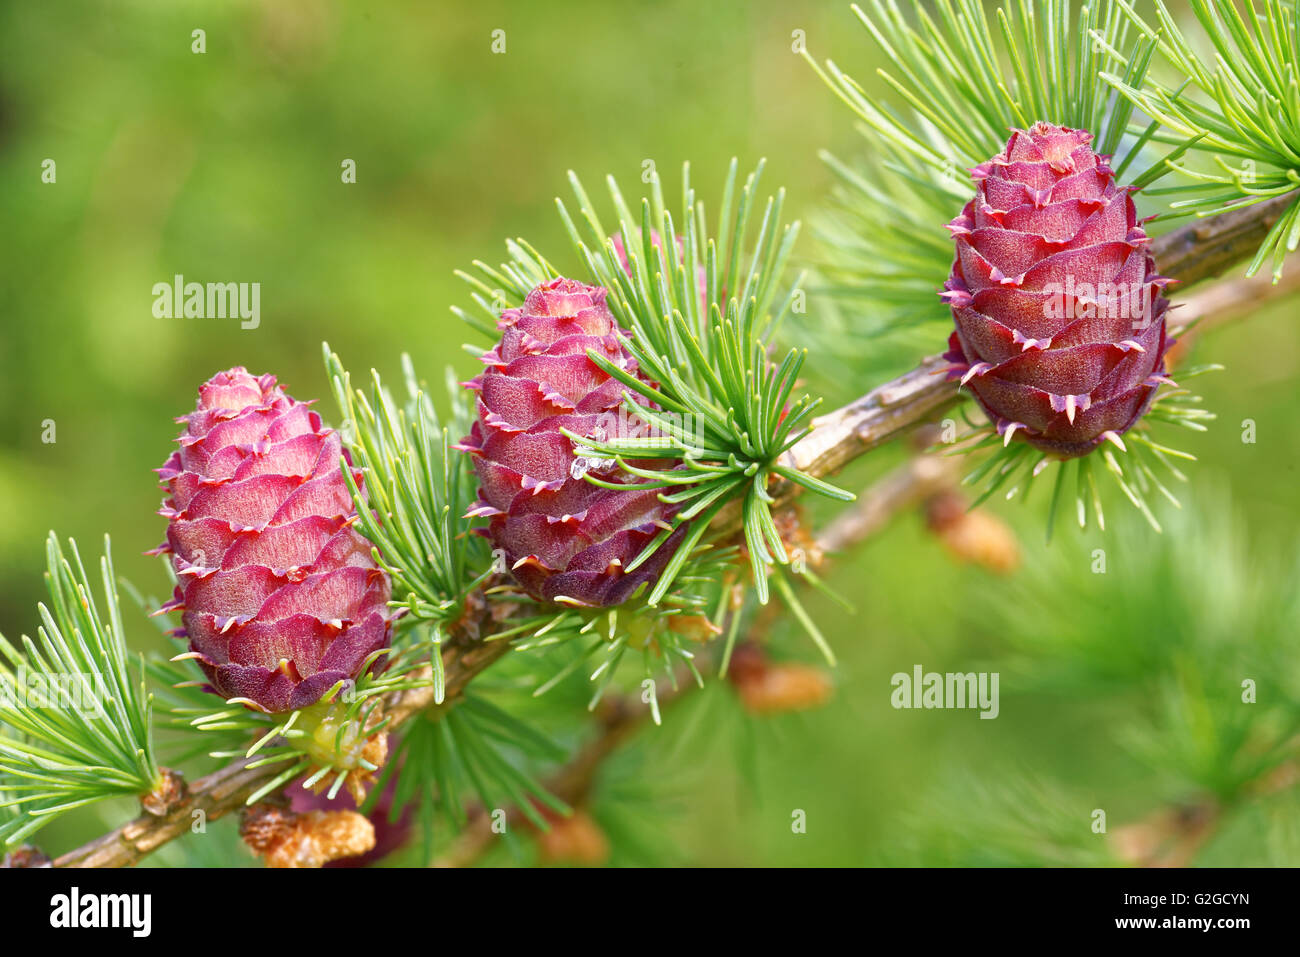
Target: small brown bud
[25,855]
[695,627]
[375,752]
[944,509]
[736,597]
[977,537]
[768,687]
[266,825]
[576,839]
[285,839]
[1171,837]
[170,793]
[799,541]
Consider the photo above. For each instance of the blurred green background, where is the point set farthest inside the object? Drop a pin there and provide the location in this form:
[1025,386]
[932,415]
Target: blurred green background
[225,166]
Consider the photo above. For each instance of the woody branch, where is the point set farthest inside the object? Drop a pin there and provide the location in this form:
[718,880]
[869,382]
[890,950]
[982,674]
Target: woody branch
[1194,252]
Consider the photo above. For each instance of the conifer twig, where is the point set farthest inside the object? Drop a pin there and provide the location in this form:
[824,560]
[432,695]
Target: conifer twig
[1197,251]
[926,473]
[230,787]
[1200,250]
[1173,835]
[1205,248]
[910,484]
[1229,299]
[619,718]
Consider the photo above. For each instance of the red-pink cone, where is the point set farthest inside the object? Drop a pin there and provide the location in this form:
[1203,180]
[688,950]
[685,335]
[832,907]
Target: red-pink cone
[279,596]
[1060,324]
[563,538]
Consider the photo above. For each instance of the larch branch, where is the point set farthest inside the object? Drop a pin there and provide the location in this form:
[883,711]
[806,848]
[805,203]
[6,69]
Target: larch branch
[1200,250]
[1197,251]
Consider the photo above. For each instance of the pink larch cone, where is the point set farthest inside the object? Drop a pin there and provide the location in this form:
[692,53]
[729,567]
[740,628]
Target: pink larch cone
[563,538]
[279,596]
[1060,324]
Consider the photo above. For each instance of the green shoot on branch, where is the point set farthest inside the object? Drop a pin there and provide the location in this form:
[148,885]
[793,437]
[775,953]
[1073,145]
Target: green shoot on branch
[75,728]
[701,313]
